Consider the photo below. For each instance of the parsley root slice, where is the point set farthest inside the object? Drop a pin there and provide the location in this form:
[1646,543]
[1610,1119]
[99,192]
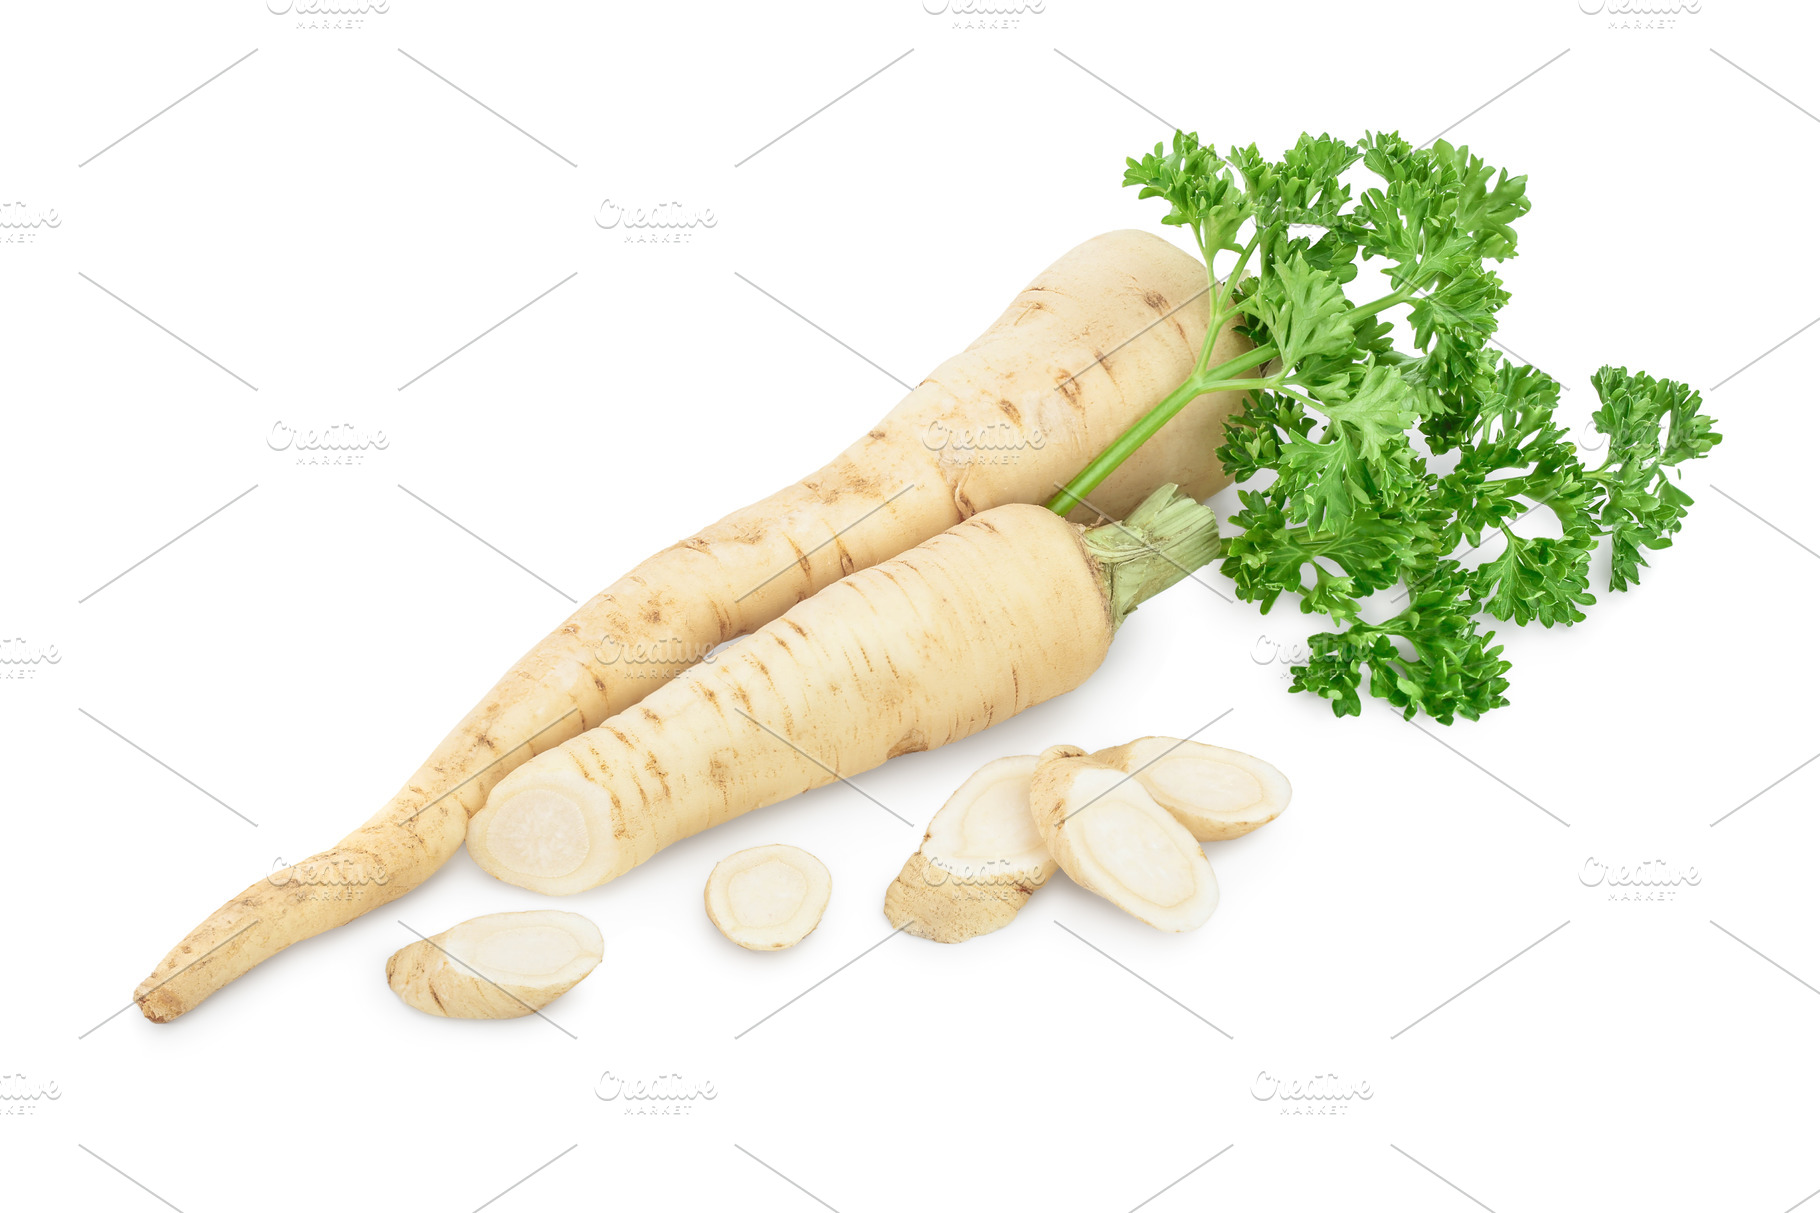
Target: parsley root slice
[499,966]
[980,861]
[1080,355]
[767,898]
[1008,609]
[1216,793]
[1114,839]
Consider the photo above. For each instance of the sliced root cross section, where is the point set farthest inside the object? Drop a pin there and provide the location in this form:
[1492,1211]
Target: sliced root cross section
[767,897]
[980,861]
[499,966]
[1114,839]
[1216,793]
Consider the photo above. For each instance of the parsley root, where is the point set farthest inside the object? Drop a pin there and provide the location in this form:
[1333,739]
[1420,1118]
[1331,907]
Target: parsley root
[1079,355]
[766,898]
[499,966]
[980,860]
[1008,609]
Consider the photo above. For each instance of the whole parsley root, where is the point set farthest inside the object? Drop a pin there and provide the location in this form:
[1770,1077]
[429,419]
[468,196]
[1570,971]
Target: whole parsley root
[1080,354]
[1376,465]
[1005,611]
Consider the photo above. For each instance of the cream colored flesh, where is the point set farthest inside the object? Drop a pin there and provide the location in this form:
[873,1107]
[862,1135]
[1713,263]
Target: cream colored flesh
[499,966]
[1216,793]
[980,861]
[769,897]
[1114,839]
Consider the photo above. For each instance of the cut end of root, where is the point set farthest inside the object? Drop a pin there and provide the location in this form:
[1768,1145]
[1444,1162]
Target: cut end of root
[1114,839]
[550,833]
[1216,793]
[980,861]
[769,897]
[499,966]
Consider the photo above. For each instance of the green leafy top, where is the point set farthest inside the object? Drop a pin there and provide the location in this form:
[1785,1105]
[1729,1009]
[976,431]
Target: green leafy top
[1341,430]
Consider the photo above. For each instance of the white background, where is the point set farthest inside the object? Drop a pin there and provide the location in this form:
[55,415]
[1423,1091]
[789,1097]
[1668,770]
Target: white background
[328,219]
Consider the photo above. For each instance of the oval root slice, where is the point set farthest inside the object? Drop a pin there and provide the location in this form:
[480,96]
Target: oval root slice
[1216,793]
[769,897]
[1114,839]
[497,966]
[980,861]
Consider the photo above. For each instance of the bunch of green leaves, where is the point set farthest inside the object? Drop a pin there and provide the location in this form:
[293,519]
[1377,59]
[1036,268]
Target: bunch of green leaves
[1341,431]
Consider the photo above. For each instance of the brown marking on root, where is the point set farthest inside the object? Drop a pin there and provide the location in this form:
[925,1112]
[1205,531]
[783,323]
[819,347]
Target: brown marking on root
[781,643]
[794,626]
[1070,389]
[598,684]
[744,700]
[720,772]
[875,435]
[910,743]
[981,522]
[619,737]
[964,503]
[651,716]
[1155,301]
[708,693]
[663,777]
[486,741]
[802,559]
[847,563]
[654,613]
[436,998]
[1017,691]
[696,543]
[1010,410]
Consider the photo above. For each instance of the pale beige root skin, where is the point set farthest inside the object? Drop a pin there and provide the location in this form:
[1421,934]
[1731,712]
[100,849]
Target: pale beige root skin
[1216,793]
[767,898]
[999,613]
[980,861]
[499,966]
[1113,839]
[1096,340]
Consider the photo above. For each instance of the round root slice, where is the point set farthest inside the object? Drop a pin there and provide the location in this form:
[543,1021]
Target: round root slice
[767,897]
[980,861]
[1114,839]
[1216,793]
[498,966]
